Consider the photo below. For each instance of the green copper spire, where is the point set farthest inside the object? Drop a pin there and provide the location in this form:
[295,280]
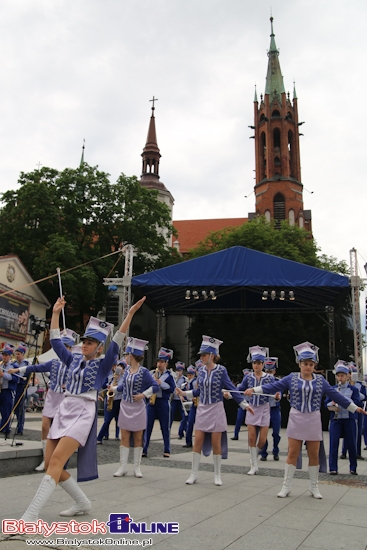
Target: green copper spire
[294,91]
[274,78]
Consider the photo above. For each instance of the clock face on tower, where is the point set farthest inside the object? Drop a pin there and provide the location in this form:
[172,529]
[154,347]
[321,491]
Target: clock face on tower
[10,273]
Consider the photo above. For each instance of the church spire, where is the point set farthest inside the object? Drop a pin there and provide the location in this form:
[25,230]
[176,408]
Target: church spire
[82,158]
[274,78]
[278,188]
[150,171]
[151,154]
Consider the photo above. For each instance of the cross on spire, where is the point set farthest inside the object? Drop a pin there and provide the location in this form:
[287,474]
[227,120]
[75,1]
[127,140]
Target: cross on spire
[153,100]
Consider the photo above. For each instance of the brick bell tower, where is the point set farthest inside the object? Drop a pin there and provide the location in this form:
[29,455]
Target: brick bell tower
[278,188]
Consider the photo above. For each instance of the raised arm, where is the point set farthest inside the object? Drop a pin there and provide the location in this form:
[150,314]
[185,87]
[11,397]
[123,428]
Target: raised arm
[118,339]
[56,310]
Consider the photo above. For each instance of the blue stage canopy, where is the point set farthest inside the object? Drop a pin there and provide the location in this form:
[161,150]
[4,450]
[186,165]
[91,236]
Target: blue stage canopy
[239,276]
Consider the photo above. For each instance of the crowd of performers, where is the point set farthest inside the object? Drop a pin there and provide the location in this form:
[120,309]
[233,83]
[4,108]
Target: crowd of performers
[136,397]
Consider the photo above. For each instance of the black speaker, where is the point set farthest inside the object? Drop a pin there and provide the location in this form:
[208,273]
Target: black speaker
[112,309]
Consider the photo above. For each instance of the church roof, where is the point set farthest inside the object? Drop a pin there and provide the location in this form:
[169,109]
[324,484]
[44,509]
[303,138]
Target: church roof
[151,181]
[191,232]
[151,144]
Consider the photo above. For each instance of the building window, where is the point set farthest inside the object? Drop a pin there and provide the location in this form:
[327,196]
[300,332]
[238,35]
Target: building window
[275,114]
[301,221]
[263,155]
[267,215]
[291,155]
[291,216]
[276,137]
[279,209]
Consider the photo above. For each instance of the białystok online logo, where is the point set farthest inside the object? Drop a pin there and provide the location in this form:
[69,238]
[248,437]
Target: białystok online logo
[118,523]
[123,523]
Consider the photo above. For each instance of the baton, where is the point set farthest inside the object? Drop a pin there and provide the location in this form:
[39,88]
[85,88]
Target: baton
[61,295]
[256,394]
[14,374]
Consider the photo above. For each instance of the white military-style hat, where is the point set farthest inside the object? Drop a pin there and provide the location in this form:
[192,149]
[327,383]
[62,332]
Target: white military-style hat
[210,345]
[97,330]
[136,346]
[68,337]
[257,353]
[306,350]
[341,366]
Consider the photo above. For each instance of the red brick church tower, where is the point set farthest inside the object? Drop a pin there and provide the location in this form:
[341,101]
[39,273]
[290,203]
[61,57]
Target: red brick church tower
[278,189]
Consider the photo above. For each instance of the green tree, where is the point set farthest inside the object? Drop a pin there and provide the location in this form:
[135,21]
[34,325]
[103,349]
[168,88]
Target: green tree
[290,242]
[64,219]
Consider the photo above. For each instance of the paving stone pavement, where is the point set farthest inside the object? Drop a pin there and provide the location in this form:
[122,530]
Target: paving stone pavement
[242,513]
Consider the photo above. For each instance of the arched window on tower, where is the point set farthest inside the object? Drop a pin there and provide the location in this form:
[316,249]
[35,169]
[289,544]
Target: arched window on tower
[267,215]
[300,221]
[277,153]
[279,209]
[262,117]
[291,156]
[291,217]
[275,114]
[276,137]
[263,155]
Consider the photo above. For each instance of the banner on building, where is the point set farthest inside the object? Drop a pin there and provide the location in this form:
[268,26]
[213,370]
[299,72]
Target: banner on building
[14,314]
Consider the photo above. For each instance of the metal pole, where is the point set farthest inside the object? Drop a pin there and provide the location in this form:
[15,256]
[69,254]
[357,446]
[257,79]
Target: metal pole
[355,283]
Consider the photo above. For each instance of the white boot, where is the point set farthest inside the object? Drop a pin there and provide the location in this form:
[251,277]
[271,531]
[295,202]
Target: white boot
[253,461]
[45,490]
[82,504]
[137,458]
[41,467]
[124,459]
[314,487]
[288,476]
[217,462]
[195,468]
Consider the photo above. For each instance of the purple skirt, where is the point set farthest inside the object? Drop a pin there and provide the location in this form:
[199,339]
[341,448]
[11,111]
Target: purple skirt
[74,418]
[304,426]
[261,416]
[52,403]
[132,416]
[211,418]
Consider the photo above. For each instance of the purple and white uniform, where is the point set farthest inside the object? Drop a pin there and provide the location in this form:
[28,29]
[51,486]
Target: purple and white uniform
[259,403]
[133,416]
[210,415]
[304,422]
[55,393]
[76,416]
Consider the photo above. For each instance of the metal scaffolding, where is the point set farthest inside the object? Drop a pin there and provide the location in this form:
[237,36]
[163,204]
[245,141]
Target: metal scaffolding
[124,282]
[356,284]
